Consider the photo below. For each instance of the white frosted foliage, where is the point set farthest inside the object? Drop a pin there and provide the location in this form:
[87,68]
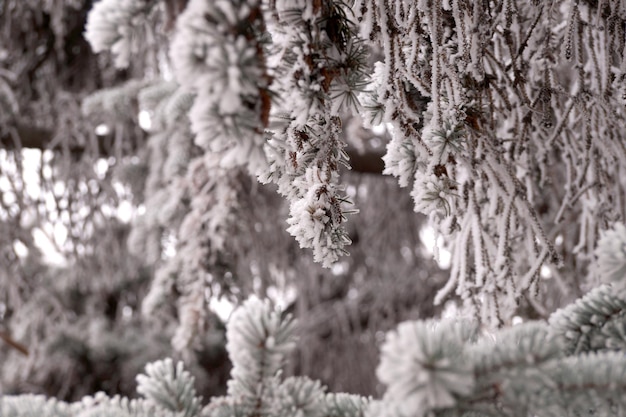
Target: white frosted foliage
[611,253]
[215,56]
[258,341]
[315,218]
[445,139]
[170,387]
[301,397]
[318,59]
[400,158]
[433,195]
[110,26]
[372,110]
[423,368]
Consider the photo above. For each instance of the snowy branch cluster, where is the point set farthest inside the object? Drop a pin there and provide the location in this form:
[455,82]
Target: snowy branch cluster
[191,205]
[489,105]
[217,52]
[259,340]
[506,121]
[220,52]
[572,365]
[318,64]
[114,24]
[184,193]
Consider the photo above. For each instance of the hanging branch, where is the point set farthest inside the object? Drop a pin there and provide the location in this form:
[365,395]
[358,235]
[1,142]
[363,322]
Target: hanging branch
[14,344]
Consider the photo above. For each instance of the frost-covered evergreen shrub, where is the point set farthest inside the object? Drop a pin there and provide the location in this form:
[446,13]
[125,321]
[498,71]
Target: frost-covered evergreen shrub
[259,340]
[506,120]
[573,365]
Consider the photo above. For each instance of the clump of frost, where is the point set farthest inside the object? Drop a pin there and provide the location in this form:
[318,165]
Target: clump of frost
[400,159]
[315,218]
[433,194]
[445,139]
[301,397]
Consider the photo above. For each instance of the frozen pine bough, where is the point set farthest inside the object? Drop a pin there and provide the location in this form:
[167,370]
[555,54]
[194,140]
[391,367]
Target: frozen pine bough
[574,364]
[259,340]
[505,119]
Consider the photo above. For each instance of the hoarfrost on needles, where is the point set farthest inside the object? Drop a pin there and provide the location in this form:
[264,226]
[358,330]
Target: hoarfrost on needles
[423,368]
[111,24]
[258,341]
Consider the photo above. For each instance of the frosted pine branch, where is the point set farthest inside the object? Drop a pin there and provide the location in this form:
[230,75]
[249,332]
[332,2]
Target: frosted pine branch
[169,386]
[218,54]
[112,25]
